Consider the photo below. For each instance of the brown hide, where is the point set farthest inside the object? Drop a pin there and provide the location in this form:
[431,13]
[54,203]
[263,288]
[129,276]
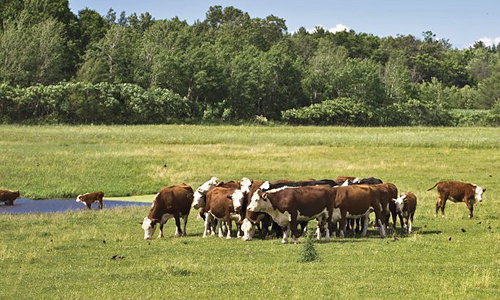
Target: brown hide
[9,196]
[175,200]
[341,179]
[90,198]
[219,202]
[410,204]
[309,201]
[456,191]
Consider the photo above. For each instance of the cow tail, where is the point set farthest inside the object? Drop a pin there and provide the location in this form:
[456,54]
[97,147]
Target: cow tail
[433,186]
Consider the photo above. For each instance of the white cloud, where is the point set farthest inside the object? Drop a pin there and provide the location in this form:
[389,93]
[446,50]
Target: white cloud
[490,41]
[337,28]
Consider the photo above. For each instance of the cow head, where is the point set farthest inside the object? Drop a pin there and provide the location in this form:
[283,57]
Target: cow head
[149,227]
[237,197]
[199,195]
[79,199]
[400,203]
[478,193]
[18,194]
[245,184]
[259,201]
[248,229]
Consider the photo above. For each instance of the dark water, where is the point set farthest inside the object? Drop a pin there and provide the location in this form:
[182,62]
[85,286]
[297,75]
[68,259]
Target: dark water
[24,205]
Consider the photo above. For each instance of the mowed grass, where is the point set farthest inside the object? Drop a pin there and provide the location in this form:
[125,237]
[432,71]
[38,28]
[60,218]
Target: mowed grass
[70,255]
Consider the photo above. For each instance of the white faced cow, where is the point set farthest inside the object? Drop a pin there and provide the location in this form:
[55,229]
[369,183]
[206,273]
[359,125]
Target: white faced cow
[288,205]
[458,191]
[171,202]
[406,205]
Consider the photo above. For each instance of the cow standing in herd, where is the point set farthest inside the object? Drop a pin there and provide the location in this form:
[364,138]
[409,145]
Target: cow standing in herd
[406,204]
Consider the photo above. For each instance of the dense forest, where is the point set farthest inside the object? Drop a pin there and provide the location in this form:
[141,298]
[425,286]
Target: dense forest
[58,66]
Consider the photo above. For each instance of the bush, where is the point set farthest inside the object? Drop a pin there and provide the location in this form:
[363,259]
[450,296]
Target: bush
[309,252]
[340,111]
[415,113]
[103,103]
[470,117]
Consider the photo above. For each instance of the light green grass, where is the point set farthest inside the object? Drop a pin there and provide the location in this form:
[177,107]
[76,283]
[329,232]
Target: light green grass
[63,256]
[135,198]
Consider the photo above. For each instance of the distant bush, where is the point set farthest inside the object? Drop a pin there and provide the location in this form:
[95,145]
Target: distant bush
[102,103]
[415,113]
[471,117]
[340,111]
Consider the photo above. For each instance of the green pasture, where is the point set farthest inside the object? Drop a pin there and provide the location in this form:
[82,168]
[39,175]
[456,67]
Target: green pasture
[70,255]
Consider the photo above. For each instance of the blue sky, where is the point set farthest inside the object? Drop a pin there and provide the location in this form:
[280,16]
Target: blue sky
[462,22]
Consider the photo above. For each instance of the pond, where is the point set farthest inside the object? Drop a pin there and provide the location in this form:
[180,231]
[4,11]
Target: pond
[24,205]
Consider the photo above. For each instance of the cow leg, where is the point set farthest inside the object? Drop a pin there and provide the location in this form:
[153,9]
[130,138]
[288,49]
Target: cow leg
[178,231]
[286,234]
[100,204]
[365,221]
[470,206]
[410,221]
[88,205]
[228,227]
[185,218]
[221,231]
[207,225]
[401,221]
[380,220]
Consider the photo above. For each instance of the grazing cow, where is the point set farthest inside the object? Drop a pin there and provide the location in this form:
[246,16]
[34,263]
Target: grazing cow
[288,205]
[406,204]
[171,202]
[357,201]
[220,205]
[9,196]
[89,198]
[457,191]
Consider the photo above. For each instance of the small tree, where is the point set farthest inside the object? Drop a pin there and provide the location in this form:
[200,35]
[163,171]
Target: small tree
[309,251]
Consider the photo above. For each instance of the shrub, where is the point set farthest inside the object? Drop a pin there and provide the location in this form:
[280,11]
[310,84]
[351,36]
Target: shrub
[340,111]
[309,252]
[415,113]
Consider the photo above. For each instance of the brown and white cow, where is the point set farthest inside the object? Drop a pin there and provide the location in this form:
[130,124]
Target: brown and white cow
[406,204]
[220,206]
[356,201]
[289,205]
[199,199]
[9,196]
[346,180]
[457,191]
[89,198]
[171,202]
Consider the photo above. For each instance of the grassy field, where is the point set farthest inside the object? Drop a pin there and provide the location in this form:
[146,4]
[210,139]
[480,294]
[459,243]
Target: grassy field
[70,255]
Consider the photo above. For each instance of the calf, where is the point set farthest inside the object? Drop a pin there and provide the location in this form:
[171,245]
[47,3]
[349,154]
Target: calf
[406,204]
[9,196]
[457,191]
[171,202]
[288,205]
[89,198]
[219,205]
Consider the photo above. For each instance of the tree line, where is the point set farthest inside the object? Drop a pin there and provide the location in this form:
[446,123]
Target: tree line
[232,67]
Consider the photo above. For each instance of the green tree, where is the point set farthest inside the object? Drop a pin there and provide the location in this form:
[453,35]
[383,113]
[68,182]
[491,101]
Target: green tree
[93,27]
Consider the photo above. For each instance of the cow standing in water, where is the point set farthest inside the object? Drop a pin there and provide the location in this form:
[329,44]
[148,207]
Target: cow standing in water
[457,191]
[171,202]
[90,198]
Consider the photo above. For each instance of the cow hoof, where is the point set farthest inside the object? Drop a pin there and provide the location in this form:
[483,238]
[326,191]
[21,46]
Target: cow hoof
[284,242]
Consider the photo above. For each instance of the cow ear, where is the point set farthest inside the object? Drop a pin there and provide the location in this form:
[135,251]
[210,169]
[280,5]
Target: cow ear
[484,190]
[154,221]
[141,222]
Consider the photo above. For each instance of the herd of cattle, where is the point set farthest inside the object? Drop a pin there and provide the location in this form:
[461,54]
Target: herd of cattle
[279,207]
[337,205]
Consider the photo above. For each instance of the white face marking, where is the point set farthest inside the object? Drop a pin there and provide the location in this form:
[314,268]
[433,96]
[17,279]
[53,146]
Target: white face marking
[265,186]
[149,229]
[237,197]
[346,183]
[79,198]
[400,203]
[245,185]
[202,191]
[252,206]
[248,230]
[356,180]
[478,195]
